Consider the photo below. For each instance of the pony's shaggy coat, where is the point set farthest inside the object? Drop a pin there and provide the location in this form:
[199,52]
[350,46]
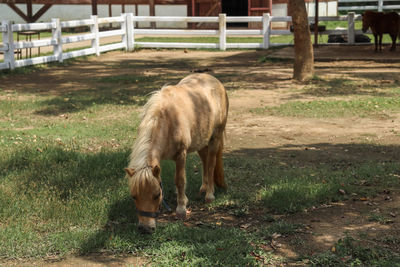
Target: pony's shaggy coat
[179,119]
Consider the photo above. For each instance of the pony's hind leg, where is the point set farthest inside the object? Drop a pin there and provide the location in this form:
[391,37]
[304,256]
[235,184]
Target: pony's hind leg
[203,153]
[180,182]
[219,177]
[213,147]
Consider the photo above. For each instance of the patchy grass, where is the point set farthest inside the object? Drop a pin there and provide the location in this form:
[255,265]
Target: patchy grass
[367,98]
[62,186]
[350,251]
[372,106]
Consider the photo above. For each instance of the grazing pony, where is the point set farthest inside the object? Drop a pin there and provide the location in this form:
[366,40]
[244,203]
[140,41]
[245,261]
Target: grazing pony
[179,119]
[381,23]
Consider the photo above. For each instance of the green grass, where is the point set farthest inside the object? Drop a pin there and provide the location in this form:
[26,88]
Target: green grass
[368,98]
[350,251]
[63,191]
[363,107]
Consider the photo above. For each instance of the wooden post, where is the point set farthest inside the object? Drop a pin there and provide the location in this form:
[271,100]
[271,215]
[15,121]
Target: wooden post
[316,23]
[56,35]
[222,32]
[266,29]
[351,36]
[129,38]
[152,12]
[110,14]
[191,11]
[95,30]
[94,7]
[8,41]
[29,11]
[137,14]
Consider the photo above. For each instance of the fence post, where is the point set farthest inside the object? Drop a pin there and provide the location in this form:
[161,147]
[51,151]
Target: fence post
[222,32]
[380,5]
[351,34]
[123,27]
[8,41]
[95,30]
[129,32]
[56,35]
[266,30]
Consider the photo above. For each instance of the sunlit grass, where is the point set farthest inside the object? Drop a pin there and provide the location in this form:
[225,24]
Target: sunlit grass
[63,190]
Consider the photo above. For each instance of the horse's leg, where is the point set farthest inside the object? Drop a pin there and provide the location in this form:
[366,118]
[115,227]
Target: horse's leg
[203,153]
[219,177]
[180,182]
[213,146]
[376,42]
[394,37]
[380,41]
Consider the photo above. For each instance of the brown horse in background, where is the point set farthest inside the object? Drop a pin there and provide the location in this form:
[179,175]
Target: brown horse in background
[381,23]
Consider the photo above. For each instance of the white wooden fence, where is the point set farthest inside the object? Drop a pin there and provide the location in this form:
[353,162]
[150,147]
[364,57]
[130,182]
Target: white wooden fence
[128,32]
[360,5]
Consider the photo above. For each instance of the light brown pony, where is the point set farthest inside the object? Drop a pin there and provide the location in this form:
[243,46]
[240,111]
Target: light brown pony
[381,23]
[187,117]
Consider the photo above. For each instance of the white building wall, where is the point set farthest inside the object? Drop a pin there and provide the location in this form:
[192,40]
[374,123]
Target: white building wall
[279,10]
[76,12]
[324,9]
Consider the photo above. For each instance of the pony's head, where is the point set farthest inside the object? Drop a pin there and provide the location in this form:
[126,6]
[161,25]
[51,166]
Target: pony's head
[146,191]
[366,20]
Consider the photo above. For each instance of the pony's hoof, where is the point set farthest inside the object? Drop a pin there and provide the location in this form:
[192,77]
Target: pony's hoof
[181,214]
[210,198]
[202,190]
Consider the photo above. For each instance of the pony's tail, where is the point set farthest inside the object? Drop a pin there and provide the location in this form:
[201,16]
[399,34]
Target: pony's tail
[219,178]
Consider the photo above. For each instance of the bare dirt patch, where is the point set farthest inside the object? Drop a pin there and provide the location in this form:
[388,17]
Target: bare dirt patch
[253,82]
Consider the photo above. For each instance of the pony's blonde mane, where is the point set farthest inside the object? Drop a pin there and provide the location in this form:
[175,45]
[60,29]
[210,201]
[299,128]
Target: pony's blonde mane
[140,149]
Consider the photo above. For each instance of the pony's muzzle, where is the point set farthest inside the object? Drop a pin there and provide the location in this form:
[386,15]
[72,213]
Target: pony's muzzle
[144,229]
[147,225]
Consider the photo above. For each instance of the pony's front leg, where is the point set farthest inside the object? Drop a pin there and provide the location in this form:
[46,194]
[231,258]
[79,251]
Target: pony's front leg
[393,37]
[380,41]
[376,42]
[180,182]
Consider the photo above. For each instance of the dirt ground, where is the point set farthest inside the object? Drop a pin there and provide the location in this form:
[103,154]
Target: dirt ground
[263,84]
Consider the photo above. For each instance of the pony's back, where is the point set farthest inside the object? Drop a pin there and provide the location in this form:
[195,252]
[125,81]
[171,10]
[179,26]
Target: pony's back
[198,104]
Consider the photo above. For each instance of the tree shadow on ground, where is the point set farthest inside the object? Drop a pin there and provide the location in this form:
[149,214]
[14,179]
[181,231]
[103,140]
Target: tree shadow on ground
[260,180]
[86,82]
[297,177]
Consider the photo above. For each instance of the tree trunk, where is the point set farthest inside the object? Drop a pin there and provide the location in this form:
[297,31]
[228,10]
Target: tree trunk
[303,68]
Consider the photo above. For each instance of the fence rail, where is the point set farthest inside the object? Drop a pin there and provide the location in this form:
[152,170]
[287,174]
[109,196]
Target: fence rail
[361,5]
[127,32]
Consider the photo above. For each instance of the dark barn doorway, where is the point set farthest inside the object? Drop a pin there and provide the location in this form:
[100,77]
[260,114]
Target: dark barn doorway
[235,8]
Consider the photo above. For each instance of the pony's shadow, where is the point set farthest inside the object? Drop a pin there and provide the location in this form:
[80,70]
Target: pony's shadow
[121,223]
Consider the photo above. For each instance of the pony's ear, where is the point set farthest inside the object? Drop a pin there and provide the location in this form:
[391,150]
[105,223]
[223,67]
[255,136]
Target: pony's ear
[156,171]
[130,171]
